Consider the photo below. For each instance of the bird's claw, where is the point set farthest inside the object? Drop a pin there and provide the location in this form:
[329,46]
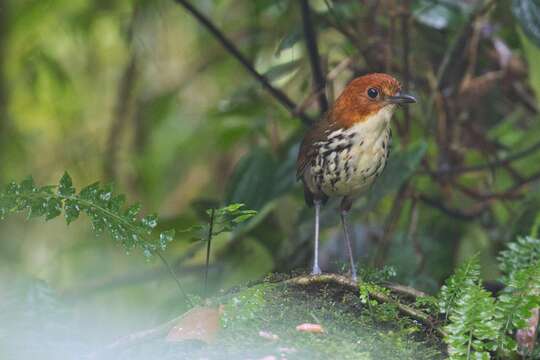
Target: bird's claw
[316,270]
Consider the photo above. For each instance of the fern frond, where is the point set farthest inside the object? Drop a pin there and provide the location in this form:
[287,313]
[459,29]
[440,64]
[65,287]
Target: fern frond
[515,304]
[107,211]
[468,274]
[519,255]
[473,327]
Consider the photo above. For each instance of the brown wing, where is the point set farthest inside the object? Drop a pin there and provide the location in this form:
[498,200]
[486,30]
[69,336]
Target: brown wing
[307,151]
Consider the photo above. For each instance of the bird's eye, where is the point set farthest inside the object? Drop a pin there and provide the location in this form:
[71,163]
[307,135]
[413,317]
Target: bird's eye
[373,93]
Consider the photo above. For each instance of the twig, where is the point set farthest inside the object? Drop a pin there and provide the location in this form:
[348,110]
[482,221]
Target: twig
[123,107]
[489,165]
[310,35]
[4,114]
[173,275]
[458,214]
[455,51]
[406,291]
[406,67]
[503,195]
[209,241]
[279,95]
[336,22]
[329,78]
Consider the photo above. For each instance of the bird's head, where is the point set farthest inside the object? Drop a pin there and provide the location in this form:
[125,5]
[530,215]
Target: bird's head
[367,96]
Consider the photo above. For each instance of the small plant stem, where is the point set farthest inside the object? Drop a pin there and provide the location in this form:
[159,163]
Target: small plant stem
[173,275]
[469,346]
[208,244]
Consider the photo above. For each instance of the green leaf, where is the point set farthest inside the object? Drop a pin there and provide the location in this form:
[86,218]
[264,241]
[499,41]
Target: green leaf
[532,53]
[244,217]
[53,208]
[38,207]
[90,192]
[65,187]
[149,222]
[132,212]
[289,41]
[231,208]
[27,185]
[436,16]
[104,208]
[527,12]
[278,71]
[519,255]
[165,238]
[472,328]
[71,210]
[467,274]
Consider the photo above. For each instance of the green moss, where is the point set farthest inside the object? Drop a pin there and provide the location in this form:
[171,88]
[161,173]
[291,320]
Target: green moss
[353,328]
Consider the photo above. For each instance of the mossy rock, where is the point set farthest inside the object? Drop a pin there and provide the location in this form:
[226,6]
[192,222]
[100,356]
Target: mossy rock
[353,329]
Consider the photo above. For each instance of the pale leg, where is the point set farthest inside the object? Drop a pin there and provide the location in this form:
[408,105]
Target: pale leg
[348,241]
[316,269]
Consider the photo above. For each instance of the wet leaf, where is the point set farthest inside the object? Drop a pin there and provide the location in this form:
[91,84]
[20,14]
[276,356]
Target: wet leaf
[53,208]
[200,323]
[278,71]
[289,41]
[165,238]
[65,187]
[71,210]
[310,328]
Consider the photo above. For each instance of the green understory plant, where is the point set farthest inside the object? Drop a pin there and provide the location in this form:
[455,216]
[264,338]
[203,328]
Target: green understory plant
[107,210]
[220,220]
[480,325]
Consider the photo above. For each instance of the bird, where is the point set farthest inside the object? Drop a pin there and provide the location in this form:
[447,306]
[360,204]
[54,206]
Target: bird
[342,154]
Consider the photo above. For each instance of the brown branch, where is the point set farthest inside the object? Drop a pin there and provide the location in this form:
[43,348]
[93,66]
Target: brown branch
[503,195]
[279,95]
[310,99]
[4,137]
[531,150]
[310,35]
[122,111]
[455,213]
[454,54]
[335,21]
[406,291]
[406,67]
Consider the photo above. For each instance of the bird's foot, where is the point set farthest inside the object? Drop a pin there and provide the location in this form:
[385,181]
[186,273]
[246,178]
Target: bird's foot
[316,270]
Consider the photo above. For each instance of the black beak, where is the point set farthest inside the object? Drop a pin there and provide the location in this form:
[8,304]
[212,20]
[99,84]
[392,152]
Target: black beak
[400,98]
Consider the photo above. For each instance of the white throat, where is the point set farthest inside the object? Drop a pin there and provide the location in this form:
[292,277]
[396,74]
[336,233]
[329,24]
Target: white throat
[376,125]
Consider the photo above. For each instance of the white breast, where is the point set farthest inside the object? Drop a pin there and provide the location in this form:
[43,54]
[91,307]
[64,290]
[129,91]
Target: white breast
[359,156]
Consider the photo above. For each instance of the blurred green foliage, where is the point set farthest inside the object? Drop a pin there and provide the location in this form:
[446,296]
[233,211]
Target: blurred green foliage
[139,94]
